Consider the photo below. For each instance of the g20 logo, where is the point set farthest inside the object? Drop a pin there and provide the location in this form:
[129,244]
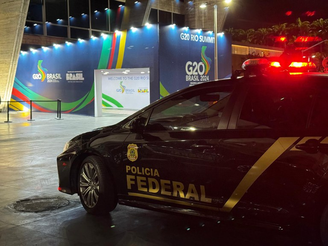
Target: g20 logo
[198,71]
[195,68]
[36,76]
[42,72]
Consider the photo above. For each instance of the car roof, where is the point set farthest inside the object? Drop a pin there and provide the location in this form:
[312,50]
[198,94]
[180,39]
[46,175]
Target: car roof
[313,79]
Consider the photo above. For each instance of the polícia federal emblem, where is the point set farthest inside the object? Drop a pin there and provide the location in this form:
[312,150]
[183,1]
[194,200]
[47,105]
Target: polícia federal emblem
[132,153]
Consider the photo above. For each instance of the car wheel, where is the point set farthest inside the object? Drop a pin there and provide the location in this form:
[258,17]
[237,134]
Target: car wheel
[96,188]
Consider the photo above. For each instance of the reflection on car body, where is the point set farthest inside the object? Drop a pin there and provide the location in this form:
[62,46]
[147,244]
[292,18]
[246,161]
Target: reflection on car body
[251,148]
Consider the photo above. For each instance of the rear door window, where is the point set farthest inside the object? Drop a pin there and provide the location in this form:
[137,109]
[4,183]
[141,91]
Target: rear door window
[319,117]
[272,107]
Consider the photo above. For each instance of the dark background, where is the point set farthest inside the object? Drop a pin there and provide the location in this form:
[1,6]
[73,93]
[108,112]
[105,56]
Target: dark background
[265,13]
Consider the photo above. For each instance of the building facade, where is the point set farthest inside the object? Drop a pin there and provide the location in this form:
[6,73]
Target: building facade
[50,21]
[45,23]
[39,23]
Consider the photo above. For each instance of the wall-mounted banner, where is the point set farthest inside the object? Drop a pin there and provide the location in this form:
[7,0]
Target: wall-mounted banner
[187,57]
[129,91]
[66,71]
[57,73]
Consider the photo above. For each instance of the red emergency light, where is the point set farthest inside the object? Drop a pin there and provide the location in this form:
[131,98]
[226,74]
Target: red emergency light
[293,64]
[305,39]
[288,13]
[281,39]
[276,66]
[302,65]
[310,13]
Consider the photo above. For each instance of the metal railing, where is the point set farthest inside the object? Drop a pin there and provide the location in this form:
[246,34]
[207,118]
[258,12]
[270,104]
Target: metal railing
[30,102]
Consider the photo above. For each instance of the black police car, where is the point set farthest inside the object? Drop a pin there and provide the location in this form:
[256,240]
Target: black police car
[252,148]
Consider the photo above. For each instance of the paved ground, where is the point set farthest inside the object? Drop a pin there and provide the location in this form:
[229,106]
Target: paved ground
[28,151]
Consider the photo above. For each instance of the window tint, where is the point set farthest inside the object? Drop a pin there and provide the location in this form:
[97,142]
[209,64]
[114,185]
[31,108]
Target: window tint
[276,107]
[200,109]
[140,119]
[319,119]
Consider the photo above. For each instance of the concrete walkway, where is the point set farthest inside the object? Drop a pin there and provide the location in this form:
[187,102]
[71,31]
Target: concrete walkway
[28,151]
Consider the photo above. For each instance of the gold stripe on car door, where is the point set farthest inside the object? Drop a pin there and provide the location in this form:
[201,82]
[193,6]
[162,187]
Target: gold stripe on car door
[265,161]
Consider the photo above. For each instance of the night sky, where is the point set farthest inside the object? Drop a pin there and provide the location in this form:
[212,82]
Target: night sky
[265,13]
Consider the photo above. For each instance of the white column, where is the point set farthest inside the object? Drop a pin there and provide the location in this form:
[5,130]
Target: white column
[12,22]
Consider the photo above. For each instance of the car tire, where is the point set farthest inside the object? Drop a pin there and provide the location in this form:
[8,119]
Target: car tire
[96,187]
[324,227]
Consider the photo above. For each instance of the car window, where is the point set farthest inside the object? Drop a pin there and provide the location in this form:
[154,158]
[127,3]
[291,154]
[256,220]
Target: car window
[201,109]
[141,118]
[275,107]
[319,119]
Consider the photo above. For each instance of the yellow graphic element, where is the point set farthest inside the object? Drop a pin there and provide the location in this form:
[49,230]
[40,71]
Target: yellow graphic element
[121,50]
[143,91]
[162,91]
[132,153]
[18,106]
[325,141]
[302,141]
[265,161]
[164,199]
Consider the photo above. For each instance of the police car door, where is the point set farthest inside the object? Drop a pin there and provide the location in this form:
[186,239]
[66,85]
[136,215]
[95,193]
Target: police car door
[176,158]
[270,173]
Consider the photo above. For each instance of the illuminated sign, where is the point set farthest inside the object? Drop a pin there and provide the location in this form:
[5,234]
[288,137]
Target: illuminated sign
[74,77]
[196,38]
[130,91]
[197,71]
[186,58]
[43,74]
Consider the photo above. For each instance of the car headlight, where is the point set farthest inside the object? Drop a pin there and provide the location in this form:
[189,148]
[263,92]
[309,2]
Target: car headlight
[68,145]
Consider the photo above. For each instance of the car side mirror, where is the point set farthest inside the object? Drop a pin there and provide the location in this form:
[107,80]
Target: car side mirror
[137,125]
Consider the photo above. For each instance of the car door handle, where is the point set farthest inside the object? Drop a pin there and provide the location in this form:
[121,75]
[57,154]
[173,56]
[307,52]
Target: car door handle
[202,146]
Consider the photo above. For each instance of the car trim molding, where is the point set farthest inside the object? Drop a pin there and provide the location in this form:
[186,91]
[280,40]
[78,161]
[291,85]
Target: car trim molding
[163,199]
